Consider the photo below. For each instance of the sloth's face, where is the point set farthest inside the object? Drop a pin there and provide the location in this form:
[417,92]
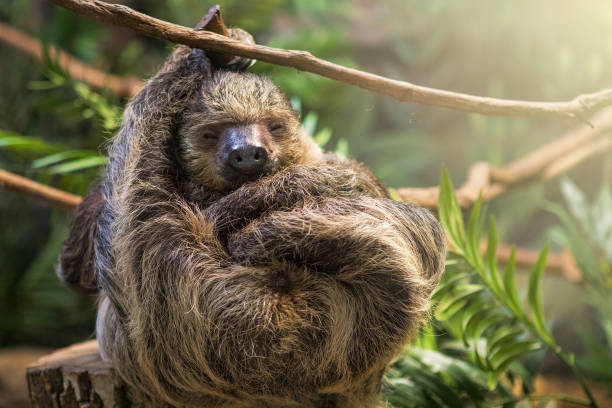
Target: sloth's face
[240,128]
[235,153]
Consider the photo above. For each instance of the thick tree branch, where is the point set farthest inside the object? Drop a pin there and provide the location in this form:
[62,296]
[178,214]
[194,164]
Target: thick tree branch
[122,86]
[580,107]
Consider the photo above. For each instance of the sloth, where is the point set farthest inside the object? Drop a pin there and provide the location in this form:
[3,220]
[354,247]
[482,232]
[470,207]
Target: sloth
[237,264]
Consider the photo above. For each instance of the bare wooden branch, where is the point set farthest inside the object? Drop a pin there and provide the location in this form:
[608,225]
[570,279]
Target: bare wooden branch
[541,164]
[122,86]
[116,14]
[27,187]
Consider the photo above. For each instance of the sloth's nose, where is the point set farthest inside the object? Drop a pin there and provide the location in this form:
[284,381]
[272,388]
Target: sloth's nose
[248,159]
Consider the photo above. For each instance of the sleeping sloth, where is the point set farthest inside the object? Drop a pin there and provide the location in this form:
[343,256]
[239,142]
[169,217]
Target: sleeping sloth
[238,265]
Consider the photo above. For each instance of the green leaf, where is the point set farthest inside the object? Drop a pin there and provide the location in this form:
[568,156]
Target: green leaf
[61,156]
[342,148]
[450,213]
[310,123]
[450,279]
[491,256]
[534,294]
[24,143]
[508,353]
[577,202]
[473,239]
[487,323]
[322,137]
[461,294]
[500,336]
[511,297]
[79,164]
[472,316]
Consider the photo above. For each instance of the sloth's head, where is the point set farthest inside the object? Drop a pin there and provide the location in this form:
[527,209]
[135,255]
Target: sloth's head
[241,127]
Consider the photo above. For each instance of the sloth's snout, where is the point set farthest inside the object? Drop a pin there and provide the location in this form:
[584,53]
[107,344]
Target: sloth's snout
[246,151]
[248,158]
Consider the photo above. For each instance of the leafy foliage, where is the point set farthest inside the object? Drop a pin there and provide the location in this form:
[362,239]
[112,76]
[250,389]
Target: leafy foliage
[586,229]
[429,378]
[490,327]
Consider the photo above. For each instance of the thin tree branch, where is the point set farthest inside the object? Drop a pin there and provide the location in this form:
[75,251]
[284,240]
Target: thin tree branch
[122,86]
[116,14]
[41,192]
[542,164]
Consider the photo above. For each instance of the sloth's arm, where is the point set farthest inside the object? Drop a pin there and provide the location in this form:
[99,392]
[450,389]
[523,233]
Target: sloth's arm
[290,188]
[152,109]
[338,234]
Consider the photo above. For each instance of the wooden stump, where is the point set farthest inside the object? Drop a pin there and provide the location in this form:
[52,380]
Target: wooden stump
[76,377]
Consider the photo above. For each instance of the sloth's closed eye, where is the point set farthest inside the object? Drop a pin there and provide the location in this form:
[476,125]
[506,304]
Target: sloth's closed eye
[275,127]
[210,136]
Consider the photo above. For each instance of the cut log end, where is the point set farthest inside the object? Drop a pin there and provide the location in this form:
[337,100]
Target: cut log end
[76,377]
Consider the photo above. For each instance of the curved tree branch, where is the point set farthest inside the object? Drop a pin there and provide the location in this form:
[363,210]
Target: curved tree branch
[116,14]
[122,86]
[541,164]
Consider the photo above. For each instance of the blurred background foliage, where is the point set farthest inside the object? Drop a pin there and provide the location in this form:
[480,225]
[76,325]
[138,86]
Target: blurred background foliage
[55,130]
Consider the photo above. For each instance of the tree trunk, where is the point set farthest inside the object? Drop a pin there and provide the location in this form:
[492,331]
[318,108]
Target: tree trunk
[76,377]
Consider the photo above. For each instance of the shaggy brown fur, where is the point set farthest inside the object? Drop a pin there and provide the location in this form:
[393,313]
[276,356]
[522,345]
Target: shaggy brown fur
[292,290]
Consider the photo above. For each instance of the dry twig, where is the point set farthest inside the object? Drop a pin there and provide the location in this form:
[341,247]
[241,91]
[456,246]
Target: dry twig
[116,14]
[122,86]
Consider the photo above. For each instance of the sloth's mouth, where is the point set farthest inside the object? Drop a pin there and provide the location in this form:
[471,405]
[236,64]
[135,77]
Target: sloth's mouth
[236,178]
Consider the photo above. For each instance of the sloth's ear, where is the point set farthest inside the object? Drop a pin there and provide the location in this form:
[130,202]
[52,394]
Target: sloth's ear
[76,262]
